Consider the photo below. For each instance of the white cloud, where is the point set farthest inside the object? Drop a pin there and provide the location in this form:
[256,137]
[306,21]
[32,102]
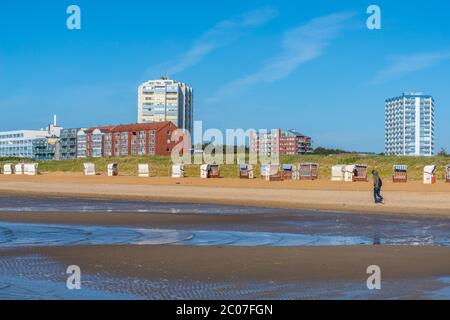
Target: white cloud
[300,45]
[403,65]
[222,34]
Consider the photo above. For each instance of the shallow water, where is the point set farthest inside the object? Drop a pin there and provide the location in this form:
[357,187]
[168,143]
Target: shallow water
[34,277]
[285,227]
[43,204]
[28,235]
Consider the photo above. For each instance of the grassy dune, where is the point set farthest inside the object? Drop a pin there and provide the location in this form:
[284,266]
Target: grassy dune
[161,166]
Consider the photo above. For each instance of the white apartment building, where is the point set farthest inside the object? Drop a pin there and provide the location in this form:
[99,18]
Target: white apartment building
[19,143]
[409,125]
[166,100]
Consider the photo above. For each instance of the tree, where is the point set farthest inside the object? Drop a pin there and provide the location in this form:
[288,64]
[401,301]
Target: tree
[325,151]
[442,153]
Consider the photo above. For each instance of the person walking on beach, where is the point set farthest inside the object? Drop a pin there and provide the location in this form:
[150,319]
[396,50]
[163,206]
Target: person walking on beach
[377,184]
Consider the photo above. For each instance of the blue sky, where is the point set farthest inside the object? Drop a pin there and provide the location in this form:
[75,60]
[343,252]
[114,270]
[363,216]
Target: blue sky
[309,65]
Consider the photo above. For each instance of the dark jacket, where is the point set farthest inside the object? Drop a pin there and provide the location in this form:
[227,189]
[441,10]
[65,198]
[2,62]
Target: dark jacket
[377,182]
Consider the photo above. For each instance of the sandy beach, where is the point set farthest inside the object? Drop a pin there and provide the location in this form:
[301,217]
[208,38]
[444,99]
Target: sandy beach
[410,198]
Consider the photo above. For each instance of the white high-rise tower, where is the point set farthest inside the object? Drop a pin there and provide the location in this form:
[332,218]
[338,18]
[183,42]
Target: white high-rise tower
[409,125]
[166,100]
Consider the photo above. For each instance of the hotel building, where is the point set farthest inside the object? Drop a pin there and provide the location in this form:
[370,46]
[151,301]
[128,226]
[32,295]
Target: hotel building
[166,100]
[28,143]
[126,140]
[19,143]
[283,142]
[409,125]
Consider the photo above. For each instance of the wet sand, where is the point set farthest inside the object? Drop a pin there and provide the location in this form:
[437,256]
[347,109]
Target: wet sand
[410,198]
[285,264]
[220,271]
[258,263]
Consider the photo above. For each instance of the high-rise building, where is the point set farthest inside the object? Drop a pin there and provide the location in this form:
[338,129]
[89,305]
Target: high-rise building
[166,100]
[282,142]
[409,125]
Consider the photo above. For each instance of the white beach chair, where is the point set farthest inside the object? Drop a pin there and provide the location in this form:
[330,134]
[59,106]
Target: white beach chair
[178,171]
[113,170]
[429,174]
[89,169]
[271,172]
[204,171]
[246,171]
[349,172]
[338,172]
[143,170]
[8,169]
[30,169]
[18,169]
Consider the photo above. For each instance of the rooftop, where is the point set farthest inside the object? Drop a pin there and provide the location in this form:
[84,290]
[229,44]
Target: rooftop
[133,127]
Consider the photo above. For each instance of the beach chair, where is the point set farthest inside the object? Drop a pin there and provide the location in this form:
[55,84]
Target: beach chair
[349,172]
[89,169]
[447,174]
[338,172]
[113,170]
[246,171]
[271,172]
[214,171]
[143,170]
[30,169]
[429,174]
[8,169]
[289,172]
[204,170]
[209,171]
[360,173]
[178,171]
[18,169]
[400,174]
[308,171]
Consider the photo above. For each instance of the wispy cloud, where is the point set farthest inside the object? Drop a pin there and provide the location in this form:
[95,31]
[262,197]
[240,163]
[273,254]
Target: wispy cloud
[299,45]
[403,65]
[222,34]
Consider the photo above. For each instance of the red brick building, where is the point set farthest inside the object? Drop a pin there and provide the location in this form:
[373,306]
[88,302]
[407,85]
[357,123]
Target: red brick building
[282,142]
[126,140]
